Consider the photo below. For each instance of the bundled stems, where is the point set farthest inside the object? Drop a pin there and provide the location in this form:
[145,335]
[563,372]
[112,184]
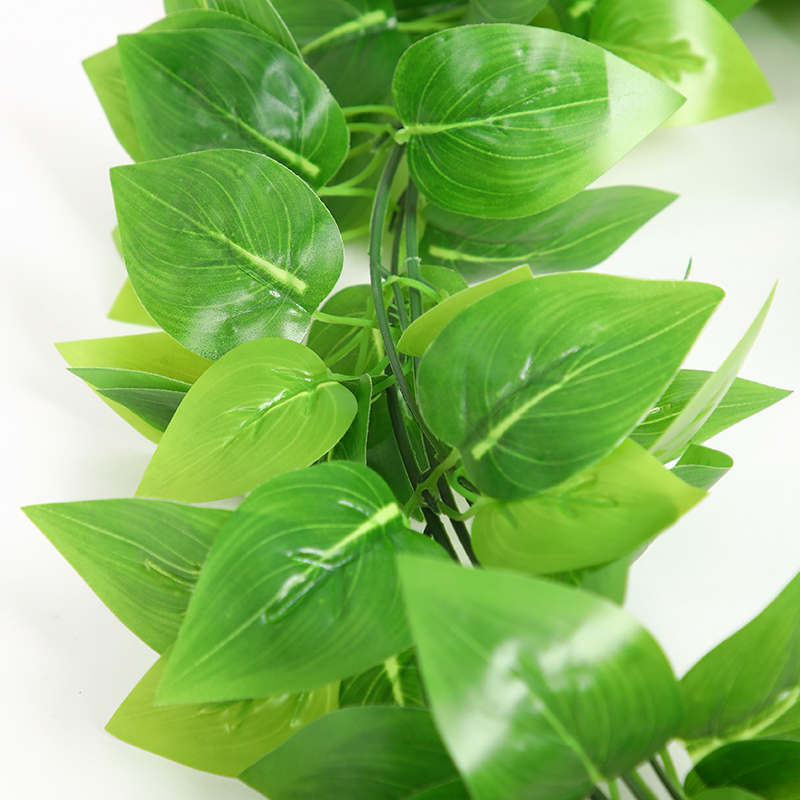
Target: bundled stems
[674,790]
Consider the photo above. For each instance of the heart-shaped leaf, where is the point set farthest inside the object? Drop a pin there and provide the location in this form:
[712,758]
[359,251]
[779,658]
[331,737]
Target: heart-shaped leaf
[525,678]
[508,120]
[311,550]
[225,246]
[541,379]
[267,407]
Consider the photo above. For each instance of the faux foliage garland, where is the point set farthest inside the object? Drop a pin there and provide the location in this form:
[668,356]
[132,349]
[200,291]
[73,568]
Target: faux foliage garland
[536,425]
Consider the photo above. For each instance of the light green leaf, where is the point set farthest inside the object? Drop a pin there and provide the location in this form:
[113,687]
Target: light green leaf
[741,401]
[447,281]
[267,407]
[311,550]
[541,379]
[504,10]
[395,682]
[676,438]
[418,336]
[599,515]
[353,445]
[225,246]
[747,683]
[688,45]
[128,308]
[508,120]
[730,9]
[529,681]
[768,768]
[702,467]
[575,234]
[224,738]
[356,754]
[610,581]
[140,557]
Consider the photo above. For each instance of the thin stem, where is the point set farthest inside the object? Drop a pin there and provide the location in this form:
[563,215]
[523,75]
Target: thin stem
[395,265]
[597,794]
[401,435]
[369,127]
[374,163]
[352,111]
[431,480]
[415,286]
[412,249]
[675,792]
[614,789]
[439,533]
[433,22]
[458,525]
[336,320]
[637,786]
[669,766]
[340,190]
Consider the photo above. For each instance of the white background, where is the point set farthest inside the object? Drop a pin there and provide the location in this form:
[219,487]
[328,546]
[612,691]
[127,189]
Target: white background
[66,663]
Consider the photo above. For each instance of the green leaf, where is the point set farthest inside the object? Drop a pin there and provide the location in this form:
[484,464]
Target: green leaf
[267,407]
[539,691]
[225,246]
[676,438]
[347,349]
[452,790]
[395,682]
[419,334]
[353,445]
[154,353]
[355,754]
[140,557]
[599,515]
[339,37]
[383,455]
[259,13]
[541,379]
[729,793]
[768,768]
[224,738]
[575,234]
[128,308]
[447,281]
[504,10]
[741,401]
[206,89]
[508,120]
[748,682]
[610,581]
[688,45]
[730,9]
[702,467]
[311,550]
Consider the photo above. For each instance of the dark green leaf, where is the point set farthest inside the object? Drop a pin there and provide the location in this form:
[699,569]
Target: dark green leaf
[730,9]
[539,691]
[205,89]
[309,551]
[140,557]
[225,246]
[769,768]
[267,407]
[395,682]
[356,754]
[575,234]
[599,515]
[741,401]
[383,455]
[224,738]
[749,682]
[541,379]
[504,10]
[689,46]
[508,120]
[353,445]
[128,308]
[702,467]
[452,790]
[729,793]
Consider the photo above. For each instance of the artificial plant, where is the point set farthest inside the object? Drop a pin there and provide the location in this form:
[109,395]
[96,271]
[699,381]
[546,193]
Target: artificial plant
[447,470]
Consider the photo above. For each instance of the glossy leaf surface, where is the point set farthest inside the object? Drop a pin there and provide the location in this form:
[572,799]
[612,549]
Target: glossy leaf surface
[128,308]
[504,10]
[508,120]
[729,793]
[225,246]
[208,89]
[395,682]
[375,753]
[688,45]
[551,374]
[353,445]
[525,676]
[452,790]
[674,440]
[598,516]
[768,768]
[702,467]
[420,333]
[305,570]
[742,400]
[748,682]
[140,557]
[224,738]
[575,234]
[264,408]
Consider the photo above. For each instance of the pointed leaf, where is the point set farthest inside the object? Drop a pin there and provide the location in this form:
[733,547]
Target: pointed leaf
[140,557]
[575,234]
[508,120]
[264,408]
[106,378]
[702,467]
[128,308]
[311,550]
[225,246]
[674,440]
[353,445]
[688,45]
[224,738]
[526,679]
[541,379]
[598,516]
[205,89]
[504,10]
[395,682]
